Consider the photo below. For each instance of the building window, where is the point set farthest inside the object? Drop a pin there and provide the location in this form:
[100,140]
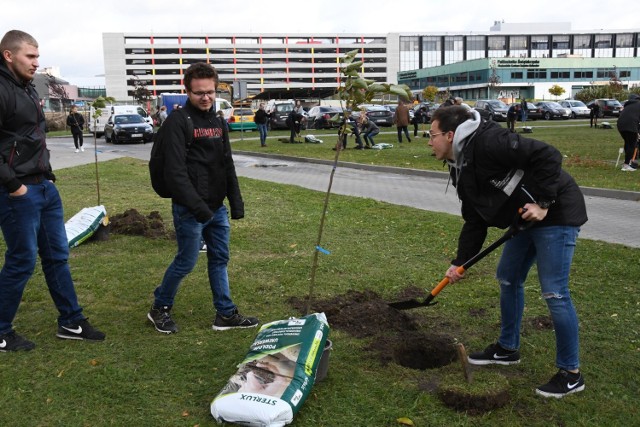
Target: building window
[560,75]
[583,74]
[517,75]
[560,42]
[497,42]
[536,74]
[410,44]
[475,43]
[582,42]
[626,74]
[624,40]
[603,41]
[517,42]
[539,42]
[605,73]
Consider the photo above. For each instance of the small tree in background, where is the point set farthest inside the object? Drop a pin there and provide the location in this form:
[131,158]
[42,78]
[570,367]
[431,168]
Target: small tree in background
[556,90]
[429,93]
[98,104]
[140,91]
[57,91]
[494,78]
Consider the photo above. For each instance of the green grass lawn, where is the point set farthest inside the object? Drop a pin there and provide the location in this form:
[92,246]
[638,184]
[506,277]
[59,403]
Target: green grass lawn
[139,377]
[590,154]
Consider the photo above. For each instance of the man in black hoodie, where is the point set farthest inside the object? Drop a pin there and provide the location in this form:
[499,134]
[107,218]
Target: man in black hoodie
[628,126]
[496,173]
[31,214]
[200,174]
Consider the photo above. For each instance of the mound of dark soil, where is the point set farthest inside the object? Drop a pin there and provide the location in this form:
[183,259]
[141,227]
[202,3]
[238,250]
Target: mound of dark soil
[132,223]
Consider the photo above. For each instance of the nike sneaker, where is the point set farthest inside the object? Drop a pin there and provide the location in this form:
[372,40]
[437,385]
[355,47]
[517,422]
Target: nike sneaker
[14,342]
[561,384]
[161,319]
[236,320]
[80,330]
[494,354]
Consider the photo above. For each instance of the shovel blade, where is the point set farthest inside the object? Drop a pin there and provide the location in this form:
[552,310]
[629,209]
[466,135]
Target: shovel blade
[409,304]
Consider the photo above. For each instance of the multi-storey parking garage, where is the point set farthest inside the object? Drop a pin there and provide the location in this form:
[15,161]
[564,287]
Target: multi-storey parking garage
[285,63]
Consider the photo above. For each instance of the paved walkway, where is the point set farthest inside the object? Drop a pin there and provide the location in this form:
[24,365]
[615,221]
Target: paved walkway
[613,215]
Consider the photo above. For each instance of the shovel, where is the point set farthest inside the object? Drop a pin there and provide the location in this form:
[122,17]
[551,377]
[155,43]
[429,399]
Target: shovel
[514,229]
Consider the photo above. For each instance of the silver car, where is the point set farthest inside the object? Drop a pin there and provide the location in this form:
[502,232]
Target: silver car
[577,108]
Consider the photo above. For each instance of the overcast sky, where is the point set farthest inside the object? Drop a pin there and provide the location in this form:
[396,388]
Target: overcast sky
[70,31]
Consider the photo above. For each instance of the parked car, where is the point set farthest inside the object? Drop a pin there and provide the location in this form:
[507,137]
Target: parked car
[378,114]
[578,108]
[492,109]
[242,119]
[279,111]
[552,110]
[430,108]
[324,117]
[127,128]
[608,107]
[533,112]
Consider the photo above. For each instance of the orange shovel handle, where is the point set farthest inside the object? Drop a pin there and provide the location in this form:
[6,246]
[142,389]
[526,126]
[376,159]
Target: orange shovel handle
[444,282]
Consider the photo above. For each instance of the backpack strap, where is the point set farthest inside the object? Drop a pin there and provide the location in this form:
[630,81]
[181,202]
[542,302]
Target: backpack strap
[189,129]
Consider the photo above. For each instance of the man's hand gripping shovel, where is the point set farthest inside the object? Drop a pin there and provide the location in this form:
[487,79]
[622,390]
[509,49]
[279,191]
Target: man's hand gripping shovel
[518,225]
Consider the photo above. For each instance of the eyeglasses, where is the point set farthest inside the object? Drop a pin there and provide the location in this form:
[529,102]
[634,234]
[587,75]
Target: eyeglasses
[201,94]
[431,134]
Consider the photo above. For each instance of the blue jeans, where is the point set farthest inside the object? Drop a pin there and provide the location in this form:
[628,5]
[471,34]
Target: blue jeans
[33,224]
[262,129]
[552,249]
[189,232]
[368,137]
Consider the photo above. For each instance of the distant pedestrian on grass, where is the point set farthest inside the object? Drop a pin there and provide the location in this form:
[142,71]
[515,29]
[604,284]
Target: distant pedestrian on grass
[401,119]
[75,121]
[31,215]
[262,118]
[496,172]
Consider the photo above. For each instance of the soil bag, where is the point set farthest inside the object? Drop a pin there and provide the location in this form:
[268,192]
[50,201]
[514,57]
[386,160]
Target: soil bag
[277,374]
[82,225]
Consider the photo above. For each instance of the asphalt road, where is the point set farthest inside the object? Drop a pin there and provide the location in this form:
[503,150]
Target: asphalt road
[613,215]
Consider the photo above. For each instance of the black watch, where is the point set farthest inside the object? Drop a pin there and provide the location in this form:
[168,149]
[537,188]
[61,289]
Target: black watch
[545,204]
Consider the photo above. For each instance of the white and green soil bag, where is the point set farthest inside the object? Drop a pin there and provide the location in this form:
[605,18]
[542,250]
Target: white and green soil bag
[82,225]
[277,374]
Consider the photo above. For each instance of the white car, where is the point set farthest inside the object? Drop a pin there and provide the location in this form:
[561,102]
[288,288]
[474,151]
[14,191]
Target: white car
[577,108]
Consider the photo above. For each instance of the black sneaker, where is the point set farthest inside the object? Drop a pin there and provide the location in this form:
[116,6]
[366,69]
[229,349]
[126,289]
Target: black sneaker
[561,384]
[161,319]
[236,320]
[203,246]
[14,342]
[81,330]
[495,355]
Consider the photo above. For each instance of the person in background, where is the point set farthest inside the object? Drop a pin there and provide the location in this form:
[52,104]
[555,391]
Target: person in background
[76,122]
[31,215]
[629,125]
[401,120]
[459,101]
[262,118]
[594,113]
[368,130]
[221,116]
[524,109]
[501,177]
[419,118]
[200,180]
[162,115]
[294,121]
[512,116]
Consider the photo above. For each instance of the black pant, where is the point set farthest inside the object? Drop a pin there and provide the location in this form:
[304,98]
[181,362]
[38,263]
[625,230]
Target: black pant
[630,143]
[406,133]
[593,120]
[77,138]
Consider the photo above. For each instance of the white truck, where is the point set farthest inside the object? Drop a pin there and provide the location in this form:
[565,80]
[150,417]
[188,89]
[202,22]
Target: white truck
[96,123]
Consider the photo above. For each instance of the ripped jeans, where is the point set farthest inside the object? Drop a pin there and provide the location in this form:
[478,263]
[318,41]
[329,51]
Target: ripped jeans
[552,249]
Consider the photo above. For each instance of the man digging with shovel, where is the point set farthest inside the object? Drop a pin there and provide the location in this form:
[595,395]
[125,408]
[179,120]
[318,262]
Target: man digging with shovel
[496,173]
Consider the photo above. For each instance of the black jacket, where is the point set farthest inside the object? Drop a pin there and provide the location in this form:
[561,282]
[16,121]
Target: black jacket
[23,149]
[261,117]
[494,159]
[76,122]
[203,175]
[630,115]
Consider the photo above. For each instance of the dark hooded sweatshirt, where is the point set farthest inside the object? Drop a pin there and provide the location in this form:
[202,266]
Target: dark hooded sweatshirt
[24,157]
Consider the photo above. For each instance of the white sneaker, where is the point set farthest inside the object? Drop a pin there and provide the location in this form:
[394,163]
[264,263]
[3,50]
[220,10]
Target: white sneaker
[77,151]
[627,168]
[82,149]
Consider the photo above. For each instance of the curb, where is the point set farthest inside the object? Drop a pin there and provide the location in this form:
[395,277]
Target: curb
[587,191]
